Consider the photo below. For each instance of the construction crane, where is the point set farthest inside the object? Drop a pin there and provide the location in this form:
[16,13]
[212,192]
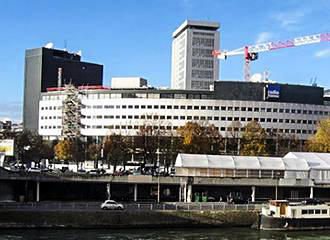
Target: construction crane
[251,52]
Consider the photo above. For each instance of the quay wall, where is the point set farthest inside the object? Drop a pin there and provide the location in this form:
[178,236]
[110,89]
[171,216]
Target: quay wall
[125,219]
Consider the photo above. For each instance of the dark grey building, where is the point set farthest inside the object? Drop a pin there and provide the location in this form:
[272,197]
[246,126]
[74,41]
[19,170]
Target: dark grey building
[48,68]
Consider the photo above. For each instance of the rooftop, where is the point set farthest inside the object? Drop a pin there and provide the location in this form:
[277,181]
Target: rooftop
[207,25]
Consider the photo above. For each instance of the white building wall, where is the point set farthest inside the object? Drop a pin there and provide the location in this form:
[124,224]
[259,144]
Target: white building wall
[103,115]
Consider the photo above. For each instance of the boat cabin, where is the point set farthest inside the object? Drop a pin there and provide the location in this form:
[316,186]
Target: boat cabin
[286,209]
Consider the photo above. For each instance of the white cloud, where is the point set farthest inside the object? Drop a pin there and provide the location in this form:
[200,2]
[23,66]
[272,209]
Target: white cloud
[264,37]
[12,110]
[290,19]
[323,53]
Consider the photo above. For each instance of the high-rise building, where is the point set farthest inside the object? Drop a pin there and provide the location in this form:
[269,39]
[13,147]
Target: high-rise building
[47,68]
[193,66]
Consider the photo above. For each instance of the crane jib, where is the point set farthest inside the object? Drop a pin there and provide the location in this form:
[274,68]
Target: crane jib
[279,45]
[325,37]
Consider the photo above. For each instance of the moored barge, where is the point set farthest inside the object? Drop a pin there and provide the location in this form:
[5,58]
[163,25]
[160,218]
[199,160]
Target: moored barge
[309,214]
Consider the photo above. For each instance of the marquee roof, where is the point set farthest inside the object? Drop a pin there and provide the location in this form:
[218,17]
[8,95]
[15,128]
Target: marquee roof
[288,163]
[320,161]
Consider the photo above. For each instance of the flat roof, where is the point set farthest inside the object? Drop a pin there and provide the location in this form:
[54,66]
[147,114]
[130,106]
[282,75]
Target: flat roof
[194,23]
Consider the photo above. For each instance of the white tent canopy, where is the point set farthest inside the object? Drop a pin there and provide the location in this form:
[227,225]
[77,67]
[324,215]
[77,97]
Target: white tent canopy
[240,162]
[318,163]
[299,165]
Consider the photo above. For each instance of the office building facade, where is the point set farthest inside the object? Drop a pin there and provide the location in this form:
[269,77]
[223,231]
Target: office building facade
[279,108]
[193,66]
[48,68]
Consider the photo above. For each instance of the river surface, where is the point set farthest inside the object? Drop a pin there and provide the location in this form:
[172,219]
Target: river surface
[162,234]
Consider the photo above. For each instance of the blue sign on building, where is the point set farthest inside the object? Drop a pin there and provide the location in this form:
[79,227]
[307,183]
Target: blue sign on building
[273,91]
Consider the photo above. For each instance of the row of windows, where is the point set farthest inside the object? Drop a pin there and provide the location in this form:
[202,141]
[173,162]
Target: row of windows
[202,63]
[162,127]
[206,42]
[209,118]
[203,34]
[202,74]
[52,108]
[314,211]
[201,52]
[211,108]
[50,127]
[50,117]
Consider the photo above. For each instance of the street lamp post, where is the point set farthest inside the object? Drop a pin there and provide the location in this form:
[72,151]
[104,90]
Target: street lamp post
[158,189]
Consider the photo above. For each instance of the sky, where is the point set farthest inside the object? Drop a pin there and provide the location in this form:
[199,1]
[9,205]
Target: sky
[133,38]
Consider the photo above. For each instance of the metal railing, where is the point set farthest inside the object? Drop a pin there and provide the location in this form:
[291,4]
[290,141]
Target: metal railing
[92,206]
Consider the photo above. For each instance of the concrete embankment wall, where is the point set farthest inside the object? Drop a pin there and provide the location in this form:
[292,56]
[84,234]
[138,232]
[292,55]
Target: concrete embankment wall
[125,219]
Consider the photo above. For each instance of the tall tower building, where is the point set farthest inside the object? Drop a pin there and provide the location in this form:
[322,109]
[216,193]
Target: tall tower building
[47,68]
[193,66]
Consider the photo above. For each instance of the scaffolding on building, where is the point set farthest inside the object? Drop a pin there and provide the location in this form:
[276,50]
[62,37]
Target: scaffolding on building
[71,113]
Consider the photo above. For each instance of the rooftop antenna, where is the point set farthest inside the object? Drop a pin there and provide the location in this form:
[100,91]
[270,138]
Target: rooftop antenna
[266,75]
[314,83]
[65,44]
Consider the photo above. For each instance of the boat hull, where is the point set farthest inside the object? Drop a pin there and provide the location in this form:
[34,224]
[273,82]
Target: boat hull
[274,223]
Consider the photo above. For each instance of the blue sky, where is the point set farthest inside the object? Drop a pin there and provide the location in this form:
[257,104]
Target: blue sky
[133,38]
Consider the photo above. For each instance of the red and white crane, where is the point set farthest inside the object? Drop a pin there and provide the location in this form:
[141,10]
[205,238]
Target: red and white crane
[251,52]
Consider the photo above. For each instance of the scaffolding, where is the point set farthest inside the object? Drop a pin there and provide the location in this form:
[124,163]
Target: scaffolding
[71,113]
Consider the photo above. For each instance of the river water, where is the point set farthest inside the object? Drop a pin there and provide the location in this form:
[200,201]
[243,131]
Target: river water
[162,234]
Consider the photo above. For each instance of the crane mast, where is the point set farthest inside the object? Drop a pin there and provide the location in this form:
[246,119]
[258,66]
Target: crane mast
[251,52]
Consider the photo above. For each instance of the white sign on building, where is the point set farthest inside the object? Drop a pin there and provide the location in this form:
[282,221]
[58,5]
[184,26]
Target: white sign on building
[7,147]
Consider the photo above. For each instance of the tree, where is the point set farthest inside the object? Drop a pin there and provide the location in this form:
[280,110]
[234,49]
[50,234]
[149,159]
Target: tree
[232,141]
[253,141]
[64,150]
[279,144]
[320,142]
[115,150]
[200,139]
[47,150]
[148,141]
[94,152]
[28,146]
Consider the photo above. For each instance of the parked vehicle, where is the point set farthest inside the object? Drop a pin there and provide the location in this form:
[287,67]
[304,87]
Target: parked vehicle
[97,171]
[35,170]
[111,205]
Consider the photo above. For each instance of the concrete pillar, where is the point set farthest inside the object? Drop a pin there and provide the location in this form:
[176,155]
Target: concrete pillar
[238,146]
[189,194]
[185,193]
[311,195]
[135,192]
[109,191]
[276,190]
[38,192]
[253,194]
[180,194]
